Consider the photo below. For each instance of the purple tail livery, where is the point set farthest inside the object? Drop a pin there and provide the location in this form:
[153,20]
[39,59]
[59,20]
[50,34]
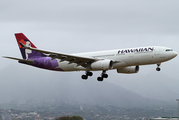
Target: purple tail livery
[32,57]
[26,53]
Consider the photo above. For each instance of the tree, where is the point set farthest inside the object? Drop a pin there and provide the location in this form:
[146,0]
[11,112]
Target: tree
[63,118]
[76,118]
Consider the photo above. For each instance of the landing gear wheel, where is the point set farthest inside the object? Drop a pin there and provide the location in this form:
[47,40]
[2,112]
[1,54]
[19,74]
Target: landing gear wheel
[100,79]
[89,73]
[158,69]
[84,77]
[105,75]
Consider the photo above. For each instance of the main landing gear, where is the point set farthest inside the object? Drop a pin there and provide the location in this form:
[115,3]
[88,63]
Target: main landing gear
[158,67]
[86,76]
[103,75]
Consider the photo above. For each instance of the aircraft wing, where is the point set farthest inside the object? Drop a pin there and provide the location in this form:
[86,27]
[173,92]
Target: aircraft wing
[83,61]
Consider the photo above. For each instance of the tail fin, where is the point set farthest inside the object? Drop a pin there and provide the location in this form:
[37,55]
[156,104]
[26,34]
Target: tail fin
[26,53]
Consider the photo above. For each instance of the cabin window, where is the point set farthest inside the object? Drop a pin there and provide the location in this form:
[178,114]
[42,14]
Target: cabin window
[169,50]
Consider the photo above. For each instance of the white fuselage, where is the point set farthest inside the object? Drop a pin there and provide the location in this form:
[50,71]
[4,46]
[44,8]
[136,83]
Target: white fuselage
[125,60]
[126,57]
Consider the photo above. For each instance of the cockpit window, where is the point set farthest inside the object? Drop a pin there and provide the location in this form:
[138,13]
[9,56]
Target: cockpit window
[169,50]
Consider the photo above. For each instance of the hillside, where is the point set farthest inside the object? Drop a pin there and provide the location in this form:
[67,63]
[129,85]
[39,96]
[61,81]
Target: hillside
[20,82]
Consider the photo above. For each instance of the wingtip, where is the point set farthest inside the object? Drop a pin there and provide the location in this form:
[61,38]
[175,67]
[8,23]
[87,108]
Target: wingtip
[7,57]
[4,56]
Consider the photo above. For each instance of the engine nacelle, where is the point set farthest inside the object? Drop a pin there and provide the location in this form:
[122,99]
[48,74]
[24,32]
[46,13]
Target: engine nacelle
[102,65]
[128,70]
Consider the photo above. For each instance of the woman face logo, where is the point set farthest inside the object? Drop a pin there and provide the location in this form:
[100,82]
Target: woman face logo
[24,51]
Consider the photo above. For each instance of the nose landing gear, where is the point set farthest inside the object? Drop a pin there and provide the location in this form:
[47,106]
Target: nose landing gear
[158,67]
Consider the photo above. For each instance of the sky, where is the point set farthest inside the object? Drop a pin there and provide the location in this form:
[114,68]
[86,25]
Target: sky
[69,26]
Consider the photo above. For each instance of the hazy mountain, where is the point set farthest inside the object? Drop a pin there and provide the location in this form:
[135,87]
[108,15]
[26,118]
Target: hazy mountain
[20,82]
[155,85]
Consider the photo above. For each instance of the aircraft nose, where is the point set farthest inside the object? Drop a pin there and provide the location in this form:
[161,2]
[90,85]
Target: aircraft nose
[175,54]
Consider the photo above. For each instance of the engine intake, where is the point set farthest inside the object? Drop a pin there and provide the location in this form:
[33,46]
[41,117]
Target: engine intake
[129,70]
[102,65]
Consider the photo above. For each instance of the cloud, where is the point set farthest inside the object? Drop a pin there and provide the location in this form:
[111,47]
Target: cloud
[116,16]
[83,26]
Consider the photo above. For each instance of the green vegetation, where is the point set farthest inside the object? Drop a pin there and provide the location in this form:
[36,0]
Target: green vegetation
[69,118]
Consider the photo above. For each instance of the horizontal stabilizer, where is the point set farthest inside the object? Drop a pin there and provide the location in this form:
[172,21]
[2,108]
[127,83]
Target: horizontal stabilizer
[21,60]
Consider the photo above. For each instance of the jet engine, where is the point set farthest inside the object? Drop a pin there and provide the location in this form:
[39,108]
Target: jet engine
[102,65]
[128,70]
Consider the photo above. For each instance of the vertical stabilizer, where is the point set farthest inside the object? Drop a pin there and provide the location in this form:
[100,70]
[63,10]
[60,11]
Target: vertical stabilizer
[26,53]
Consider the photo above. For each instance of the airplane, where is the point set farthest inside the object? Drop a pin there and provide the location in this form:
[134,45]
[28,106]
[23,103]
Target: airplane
[125,60]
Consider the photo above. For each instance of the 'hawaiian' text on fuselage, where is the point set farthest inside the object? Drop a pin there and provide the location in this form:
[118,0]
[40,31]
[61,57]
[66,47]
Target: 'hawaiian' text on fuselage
[136,50]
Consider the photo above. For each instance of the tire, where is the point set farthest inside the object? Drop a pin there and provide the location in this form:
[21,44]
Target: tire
[105,75]
[158,69]
[100,79]
[89,73]
[84,77]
